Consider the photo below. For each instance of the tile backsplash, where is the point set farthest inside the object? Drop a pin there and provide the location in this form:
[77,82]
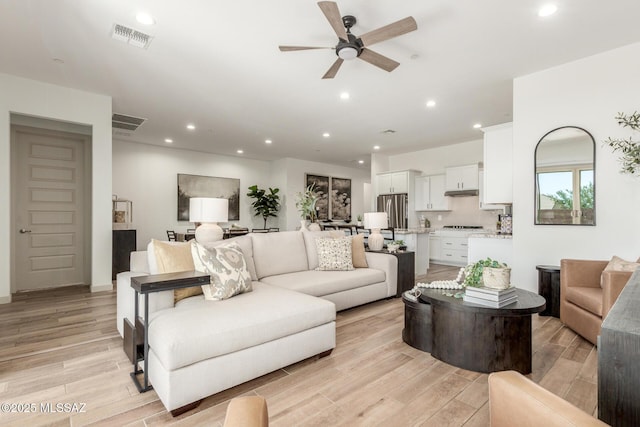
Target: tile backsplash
[464,211]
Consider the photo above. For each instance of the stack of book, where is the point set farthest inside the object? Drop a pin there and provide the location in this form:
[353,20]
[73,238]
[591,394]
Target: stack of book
[495,298]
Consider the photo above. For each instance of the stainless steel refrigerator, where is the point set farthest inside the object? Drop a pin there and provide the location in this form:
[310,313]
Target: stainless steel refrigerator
[395,205]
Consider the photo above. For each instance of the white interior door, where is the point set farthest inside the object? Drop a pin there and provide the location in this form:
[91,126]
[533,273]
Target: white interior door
[48,216]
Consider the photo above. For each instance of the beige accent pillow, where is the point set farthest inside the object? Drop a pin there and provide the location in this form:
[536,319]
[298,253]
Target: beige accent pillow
[334,254]
[227,267]
[618,264]
[357,251]
[173,258]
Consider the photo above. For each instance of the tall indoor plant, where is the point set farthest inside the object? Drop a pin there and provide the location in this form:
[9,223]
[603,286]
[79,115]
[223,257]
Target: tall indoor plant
[266,204]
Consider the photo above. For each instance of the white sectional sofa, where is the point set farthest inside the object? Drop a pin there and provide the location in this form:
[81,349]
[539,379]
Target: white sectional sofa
[198,348]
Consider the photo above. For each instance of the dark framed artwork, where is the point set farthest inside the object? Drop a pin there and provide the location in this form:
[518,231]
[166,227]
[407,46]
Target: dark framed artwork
[208,186]
[340,198]
[322,190]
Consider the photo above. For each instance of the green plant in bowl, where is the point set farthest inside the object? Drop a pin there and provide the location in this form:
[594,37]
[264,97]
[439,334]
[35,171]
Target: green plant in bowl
[473,272]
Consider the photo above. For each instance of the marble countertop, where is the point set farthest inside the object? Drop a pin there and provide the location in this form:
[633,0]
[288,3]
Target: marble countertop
[492,236]
[412,230]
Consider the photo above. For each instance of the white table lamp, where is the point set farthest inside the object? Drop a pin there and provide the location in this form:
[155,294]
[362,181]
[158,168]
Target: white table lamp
[209,212]
[375,221]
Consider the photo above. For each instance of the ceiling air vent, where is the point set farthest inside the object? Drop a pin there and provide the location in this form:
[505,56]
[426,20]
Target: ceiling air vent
[121,121]
[131,36]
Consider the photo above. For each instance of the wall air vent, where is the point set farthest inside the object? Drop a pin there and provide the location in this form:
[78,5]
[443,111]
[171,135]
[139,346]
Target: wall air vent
[122,121]
[131,36]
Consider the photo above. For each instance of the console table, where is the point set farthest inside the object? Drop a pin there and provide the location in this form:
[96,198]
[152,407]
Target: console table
[145,285]
[406,269]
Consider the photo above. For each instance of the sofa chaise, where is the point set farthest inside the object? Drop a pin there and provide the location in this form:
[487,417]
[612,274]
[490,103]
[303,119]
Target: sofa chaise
[199,347]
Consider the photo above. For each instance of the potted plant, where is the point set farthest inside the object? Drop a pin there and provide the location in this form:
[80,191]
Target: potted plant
[266,204]
[395,245]
[629,148]
[306,204]
[359,219]
[489,273]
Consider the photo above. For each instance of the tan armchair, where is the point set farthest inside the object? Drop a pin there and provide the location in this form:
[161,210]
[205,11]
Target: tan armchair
[516,400]
[584,302]
[247,411]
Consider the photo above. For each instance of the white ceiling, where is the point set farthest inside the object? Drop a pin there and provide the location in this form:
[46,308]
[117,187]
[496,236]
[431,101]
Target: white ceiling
[217,64]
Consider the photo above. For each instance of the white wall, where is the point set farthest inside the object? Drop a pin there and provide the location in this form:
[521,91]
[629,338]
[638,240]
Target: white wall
[29,97]
[296,170]
[147,175]
[587,93]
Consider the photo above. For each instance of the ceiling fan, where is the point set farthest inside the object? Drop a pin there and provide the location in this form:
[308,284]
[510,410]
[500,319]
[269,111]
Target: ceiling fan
[350,46]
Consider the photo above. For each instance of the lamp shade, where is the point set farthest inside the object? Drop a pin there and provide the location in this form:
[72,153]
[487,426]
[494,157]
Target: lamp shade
[208,209]
[375,220]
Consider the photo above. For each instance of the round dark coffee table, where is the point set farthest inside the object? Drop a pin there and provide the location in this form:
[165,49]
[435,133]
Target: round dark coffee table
[482,339]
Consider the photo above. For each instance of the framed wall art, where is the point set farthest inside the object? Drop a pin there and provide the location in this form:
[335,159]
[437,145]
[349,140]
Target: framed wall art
[322,190]
[208,186]
[340,198]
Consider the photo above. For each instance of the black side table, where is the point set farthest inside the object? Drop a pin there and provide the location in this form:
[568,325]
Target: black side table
[549,288]
[155,283]
[406,270]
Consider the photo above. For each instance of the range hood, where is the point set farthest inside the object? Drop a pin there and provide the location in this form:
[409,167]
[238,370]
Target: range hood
[461,193]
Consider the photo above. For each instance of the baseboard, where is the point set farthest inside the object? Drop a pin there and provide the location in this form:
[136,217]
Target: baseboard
[5,300]
[102,288]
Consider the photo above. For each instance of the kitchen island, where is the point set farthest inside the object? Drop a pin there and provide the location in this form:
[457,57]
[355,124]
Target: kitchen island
[416,240]
[494,246]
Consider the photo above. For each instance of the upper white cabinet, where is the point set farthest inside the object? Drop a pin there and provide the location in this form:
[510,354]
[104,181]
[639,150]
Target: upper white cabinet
[393,182]
[429,193]
[483,205]
[462,178]
[498,164]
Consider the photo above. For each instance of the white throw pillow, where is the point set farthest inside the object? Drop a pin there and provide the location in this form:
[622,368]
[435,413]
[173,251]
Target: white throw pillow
[334,254]
[227,267]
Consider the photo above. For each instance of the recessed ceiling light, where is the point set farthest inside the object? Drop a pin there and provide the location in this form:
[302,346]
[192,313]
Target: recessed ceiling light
[344,95]
[547,10]
[58,60]
[145,19]
[268,141]
[168,140]
[191,126]
[477,126]
[326,134]
[240,151]
[376,147]
[431,103]
[361,161]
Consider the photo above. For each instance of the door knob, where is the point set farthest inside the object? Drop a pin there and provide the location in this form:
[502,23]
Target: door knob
[23,230]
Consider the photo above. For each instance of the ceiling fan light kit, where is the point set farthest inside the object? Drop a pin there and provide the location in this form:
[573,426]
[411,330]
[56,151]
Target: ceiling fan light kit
[350,47]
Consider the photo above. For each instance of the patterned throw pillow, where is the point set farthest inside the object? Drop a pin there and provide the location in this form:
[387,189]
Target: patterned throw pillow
[227,267]
[334,254]
[619,264]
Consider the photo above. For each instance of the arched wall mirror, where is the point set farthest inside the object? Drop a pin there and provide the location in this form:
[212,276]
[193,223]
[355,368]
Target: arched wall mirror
[565,186]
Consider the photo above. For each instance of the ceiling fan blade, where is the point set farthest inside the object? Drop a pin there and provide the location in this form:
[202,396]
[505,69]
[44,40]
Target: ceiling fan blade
[331,73]
[378,60]
[331,12]
[387,32]
[292,48]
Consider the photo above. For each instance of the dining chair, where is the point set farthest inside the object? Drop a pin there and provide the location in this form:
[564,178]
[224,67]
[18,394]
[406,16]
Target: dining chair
[171,235]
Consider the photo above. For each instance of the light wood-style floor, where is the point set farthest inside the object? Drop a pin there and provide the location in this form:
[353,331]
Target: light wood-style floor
[62,346]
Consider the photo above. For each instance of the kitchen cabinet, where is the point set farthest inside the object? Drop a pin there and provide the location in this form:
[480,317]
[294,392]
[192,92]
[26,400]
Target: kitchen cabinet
[393,182]
[455,250]
[435,247]
[483,205]
[461,178]
[429,193]
[498,164]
